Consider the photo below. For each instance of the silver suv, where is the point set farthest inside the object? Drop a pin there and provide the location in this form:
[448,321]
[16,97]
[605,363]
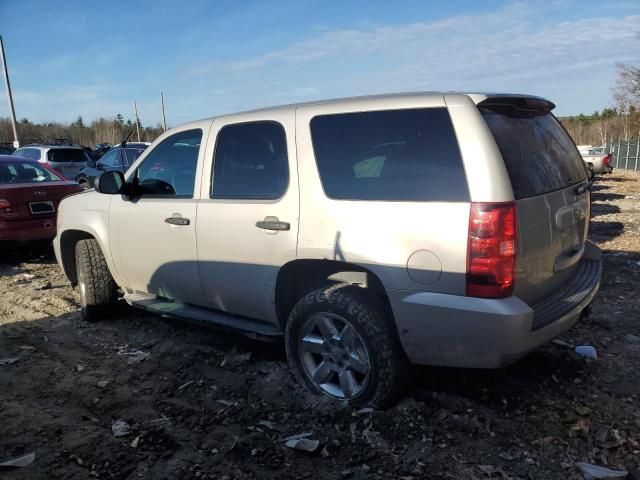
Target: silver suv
[374,232]
[66,159]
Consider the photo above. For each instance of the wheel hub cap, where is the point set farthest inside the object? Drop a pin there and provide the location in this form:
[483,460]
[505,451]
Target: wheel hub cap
[333,356]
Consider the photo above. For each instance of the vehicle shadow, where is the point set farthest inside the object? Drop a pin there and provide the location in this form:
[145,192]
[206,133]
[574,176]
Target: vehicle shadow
[604,231]
[603,197]
[598,209]
[31,252]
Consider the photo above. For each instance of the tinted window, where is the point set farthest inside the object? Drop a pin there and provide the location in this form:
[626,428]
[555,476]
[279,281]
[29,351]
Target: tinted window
[23,172]
[66,155]
[30,153]
[401,155]
[111,159]
[539,155]
[170,169]
[251,161]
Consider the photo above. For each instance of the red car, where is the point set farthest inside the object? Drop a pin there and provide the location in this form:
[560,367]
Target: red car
[29,196]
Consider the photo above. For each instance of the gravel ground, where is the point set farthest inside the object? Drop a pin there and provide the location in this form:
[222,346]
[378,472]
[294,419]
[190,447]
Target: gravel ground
[199,403]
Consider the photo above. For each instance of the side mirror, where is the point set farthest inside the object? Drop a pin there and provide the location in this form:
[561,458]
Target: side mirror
[110,183]
[91,163]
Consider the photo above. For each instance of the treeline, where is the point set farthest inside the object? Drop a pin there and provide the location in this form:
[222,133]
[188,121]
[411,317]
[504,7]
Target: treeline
[102,130]
[602,128]
[599,128]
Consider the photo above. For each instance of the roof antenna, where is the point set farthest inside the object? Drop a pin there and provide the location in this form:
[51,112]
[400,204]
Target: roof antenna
[124,142]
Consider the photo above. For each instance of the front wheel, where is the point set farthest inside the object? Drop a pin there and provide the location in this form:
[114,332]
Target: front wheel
[98,291]
[340,345]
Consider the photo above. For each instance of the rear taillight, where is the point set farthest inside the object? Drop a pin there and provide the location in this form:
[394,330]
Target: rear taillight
[491,256]
[605,160]
[5,206]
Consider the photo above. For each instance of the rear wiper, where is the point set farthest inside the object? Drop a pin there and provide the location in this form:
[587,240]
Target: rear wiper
[584,187]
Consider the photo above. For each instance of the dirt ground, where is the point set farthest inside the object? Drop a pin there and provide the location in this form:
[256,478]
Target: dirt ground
[204,404]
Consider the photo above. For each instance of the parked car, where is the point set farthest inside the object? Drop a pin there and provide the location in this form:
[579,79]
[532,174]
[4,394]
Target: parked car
[118,158]
[68,160]
[442,229]
[29,196]
[596,159]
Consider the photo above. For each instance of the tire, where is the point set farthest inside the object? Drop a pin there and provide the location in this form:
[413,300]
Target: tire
[84,183]
[98,291]
[366,367]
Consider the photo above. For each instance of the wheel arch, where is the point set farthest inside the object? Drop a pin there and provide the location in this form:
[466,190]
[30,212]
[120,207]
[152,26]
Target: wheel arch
[299,277]
[68,241]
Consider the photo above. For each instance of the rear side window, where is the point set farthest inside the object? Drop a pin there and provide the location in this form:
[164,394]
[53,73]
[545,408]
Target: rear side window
[251,161]
[539,155]
[66,155]
[395,155]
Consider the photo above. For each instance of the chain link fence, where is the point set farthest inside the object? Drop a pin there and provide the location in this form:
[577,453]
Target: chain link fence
[625,155]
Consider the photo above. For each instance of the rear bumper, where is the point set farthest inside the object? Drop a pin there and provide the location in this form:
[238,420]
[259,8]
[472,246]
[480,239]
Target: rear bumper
[455,331]
[27,230]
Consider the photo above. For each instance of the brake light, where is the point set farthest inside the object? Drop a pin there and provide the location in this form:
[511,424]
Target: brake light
[5,206]
[491,255]
[605,160]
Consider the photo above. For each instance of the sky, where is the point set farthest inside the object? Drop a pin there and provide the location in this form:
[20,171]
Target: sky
[90,58]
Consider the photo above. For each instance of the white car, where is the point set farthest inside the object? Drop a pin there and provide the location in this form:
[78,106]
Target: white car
[369,232]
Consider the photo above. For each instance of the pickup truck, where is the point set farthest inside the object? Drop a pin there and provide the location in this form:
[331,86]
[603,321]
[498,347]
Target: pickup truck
[596,159]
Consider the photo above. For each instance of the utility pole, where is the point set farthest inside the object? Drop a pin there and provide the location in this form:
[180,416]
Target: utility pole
[135,107]
[164,117]
[16,142]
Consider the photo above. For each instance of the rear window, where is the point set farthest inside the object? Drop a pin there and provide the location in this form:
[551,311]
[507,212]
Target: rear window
[66,155]
[539,155]
[394,155]
[23,172]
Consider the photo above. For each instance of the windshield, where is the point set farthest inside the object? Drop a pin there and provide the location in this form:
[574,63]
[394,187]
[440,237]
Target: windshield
[25,172]
[66,155]
[539,155]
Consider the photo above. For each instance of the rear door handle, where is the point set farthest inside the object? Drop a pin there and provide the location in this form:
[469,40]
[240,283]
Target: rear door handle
[177,221]
[273,223]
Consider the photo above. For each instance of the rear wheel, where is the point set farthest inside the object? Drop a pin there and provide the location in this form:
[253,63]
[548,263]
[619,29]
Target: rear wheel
[98,291]
[340,345]
[83,182]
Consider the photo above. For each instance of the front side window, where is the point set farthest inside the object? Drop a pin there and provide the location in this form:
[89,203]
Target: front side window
[392,155]
[170,169]
[111,159]
[251,161]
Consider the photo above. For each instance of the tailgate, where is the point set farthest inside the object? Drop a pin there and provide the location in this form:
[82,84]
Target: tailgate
[549,182]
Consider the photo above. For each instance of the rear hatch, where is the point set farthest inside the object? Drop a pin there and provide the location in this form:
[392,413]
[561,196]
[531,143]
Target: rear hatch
[549,181]
[68,161]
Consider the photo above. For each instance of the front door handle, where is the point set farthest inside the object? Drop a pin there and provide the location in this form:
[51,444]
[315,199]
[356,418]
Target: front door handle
[272,223]
[177,221]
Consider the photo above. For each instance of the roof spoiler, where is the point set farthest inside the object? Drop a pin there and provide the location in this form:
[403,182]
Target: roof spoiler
[520,102]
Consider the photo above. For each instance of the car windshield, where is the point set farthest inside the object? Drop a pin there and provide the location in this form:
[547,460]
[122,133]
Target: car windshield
[26,172]
[66,155]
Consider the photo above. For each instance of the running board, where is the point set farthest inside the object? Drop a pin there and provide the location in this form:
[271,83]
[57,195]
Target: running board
[247,326]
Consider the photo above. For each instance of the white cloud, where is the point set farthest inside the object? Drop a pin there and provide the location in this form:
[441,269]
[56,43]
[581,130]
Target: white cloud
[516,48]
